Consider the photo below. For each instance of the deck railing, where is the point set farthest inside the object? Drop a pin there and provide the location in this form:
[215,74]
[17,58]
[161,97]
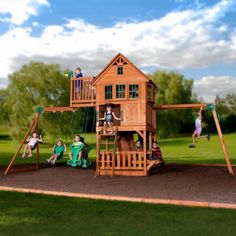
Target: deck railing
[124,160]
[81,91]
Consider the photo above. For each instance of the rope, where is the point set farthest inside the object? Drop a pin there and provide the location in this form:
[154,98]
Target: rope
[94,119]
[75,119]
[60,124]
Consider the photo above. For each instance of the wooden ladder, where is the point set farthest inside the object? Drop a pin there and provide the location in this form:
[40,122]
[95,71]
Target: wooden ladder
[103,139]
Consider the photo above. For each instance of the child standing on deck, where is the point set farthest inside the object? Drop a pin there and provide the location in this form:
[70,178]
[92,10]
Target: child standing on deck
[58,150]
[198,129]
[78,74]
[108,118]
[31,144]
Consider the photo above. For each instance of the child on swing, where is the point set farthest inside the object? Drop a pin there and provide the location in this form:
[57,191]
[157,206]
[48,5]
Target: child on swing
[108,119]
[198,129]
[76,144]
[58,150]
[31,143]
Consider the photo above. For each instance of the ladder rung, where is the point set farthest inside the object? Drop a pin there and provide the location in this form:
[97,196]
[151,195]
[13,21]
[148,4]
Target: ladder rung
[106,135]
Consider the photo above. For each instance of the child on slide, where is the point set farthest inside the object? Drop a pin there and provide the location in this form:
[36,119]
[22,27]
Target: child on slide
[198,129]
[58,150]
[31,144]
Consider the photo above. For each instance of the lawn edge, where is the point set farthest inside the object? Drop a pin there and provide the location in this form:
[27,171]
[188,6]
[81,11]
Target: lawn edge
[187,203]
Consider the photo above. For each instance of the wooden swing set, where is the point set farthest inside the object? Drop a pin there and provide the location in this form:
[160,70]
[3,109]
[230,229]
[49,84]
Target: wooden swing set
[32,128]
[132,94]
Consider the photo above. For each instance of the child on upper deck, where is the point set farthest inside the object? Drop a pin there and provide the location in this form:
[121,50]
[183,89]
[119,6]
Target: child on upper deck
[78,83]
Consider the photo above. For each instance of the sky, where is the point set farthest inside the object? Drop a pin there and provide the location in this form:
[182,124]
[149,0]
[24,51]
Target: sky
[196,38]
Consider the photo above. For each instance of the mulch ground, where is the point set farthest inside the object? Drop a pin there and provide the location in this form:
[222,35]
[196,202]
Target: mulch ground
[175,182]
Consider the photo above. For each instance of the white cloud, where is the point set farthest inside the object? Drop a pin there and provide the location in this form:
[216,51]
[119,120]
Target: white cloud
[210,86]
[182,39]
[20,10]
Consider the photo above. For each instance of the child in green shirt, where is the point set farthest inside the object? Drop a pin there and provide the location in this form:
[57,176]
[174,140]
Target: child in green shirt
[77,144]
[58,150]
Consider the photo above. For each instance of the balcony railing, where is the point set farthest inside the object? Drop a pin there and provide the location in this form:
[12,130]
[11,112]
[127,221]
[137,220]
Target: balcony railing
[81,91]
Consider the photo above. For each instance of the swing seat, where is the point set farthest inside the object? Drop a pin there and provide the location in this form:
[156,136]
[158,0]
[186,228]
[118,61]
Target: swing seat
[34,147]
[75,152]
[60,155]
[85,161]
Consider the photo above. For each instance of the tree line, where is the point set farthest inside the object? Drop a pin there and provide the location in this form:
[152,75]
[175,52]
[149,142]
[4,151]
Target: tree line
[38,84]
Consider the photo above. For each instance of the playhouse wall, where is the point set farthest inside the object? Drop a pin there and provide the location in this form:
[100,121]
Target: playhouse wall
[100,90]
[129,71]
[133,114]
[150,116]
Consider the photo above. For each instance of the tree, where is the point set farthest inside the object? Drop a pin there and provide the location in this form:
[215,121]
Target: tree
[4,114]
[226,107]
[36,84]
[173,88]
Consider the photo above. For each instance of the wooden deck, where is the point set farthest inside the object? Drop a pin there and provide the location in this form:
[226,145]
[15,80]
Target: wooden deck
[128,163]
[82,93]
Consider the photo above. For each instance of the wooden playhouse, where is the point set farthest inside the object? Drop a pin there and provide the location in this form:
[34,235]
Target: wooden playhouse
[132,96]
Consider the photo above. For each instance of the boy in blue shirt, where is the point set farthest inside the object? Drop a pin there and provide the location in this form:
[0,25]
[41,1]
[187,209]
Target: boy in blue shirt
[78,83]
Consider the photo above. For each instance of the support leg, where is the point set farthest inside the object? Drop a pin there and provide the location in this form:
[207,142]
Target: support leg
[229,166]
[145,151]
[22,143]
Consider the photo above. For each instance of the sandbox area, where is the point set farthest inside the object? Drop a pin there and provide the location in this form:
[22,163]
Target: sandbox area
[176,183]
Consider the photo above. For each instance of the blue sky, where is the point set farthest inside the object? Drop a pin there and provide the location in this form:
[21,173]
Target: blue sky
[196,38]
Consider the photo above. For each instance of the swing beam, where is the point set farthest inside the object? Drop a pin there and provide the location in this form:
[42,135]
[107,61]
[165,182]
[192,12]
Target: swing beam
[216,120]
[179,106]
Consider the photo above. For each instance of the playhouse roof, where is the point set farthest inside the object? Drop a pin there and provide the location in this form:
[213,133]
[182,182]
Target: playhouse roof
[110,64]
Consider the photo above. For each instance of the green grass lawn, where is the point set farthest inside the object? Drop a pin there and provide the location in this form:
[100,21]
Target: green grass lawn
[175,150]
[31,214]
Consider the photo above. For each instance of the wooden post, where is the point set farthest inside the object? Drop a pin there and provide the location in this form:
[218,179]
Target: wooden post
[37,157]
[22,143]
[98,143]
[71,93]
[229,166]
[37,146]
[145,151]
[150,140]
